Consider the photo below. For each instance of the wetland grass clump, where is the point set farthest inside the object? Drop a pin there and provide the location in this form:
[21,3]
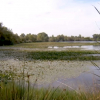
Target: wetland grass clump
[62,55]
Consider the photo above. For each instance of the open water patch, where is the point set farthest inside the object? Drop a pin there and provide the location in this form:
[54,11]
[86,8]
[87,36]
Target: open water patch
[85,47]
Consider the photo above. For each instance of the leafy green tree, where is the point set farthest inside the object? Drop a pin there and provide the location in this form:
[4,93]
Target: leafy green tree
[52,39]
[22,38]
[7,37]
[87,39]
[96,37]
[28,37]
[60,38]
[33,38]
[17,39]
[65,38]
[42,37]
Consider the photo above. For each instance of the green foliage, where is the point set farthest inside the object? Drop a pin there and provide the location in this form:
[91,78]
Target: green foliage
[96,37]
[52,39]
[42,37]
[30,38]
[60,38]
[7,37]
[22,38]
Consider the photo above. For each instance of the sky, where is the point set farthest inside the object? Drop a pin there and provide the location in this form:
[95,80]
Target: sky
[54,17]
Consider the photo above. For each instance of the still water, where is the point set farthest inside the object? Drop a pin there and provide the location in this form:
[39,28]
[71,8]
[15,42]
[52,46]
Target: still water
[86,81]
[85,47]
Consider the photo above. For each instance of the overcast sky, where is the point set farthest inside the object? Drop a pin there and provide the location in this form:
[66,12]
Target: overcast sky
[55,17]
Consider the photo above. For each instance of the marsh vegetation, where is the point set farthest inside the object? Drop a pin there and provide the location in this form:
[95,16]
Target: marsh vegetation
[35,72]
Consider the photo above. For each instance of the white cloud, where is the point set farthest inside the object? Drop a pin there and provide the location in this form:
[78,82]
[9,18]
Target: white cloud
[51,16]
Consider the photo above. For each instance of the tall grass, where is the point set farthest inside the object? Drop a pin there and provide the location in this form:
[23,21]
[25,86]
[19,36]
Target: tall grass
[13,91]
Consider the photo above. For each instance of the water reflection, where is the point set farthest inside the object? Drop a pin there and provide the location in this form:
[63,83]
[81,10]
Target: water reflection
[86,47]
[82,41]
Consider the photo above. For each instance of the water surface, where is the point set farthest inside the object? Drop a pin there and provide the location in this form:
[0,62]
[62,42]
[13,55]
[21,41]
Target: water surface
[86,81]
[85,47]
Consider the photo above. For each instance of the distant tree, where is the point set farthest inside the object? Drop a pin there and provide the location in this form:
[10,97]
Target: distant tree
[87,39]
[52,39]
[33,38]
[28,37]
[60,38]
[65,38]
[70,38]
[96,37]
[42,37]
[22,38]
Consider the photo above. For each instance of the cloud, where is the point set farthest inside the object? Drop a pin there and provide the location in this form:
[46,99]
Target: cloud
[51,16]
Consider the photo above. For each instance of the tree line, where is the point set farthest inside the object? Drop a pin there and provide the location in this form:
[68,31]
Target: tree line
[7,37]
[43,37]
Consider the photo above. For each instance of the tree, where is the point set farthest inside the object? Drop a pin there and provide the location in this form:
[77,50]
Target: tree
[65,38]
[22,37]
[17,39]
[7,37]
[33,38]
[52,39]
[60,38]
[42,37]
[96,37]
